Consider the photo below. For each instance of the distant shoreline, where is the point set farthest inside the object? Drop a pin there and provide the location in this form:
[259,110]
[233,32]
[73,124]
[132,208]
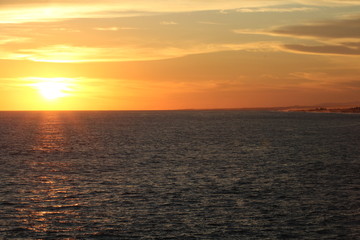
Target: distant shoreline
[328,110]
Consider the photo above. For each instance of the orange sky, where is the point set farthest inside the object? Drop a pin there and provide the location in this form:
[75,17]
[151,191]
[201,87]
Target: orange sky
[140,55]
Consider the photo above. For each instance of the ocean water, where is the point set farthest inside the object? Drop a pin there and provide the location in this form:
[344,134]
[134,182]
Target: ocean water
[179,175]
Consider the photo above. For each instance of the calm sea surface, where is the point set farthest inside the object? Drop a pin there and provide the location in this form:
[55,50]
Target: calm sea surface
[179,175]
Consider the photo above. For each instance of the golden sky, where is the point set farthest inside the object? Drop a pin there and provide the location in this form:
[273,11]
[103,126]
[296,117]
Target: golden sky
[177,54]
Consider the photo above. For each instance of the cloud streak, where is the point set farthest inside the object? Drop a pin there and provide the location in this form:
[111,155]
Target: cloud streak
[67,53]
[344,33]
[347,28]
[12,39]
[17,11]
[324,49]
[339,37]
[279,10]
[44,11]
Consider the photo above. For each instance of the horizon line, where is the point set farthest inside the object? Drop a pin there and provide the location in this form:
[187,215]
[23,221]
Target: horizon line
[275,108]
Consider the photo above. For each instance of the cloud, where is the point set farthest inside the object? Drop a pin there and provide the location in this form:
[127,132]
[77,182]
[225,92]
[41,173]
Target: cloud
[12,39]
[208,23]
[107,28]
[339,48]
[325,49]
[352,84]
[114,29]
[346,28]
[269,9]
[53,13]
[17,11]
[85,44]
[337,80]
[168,23]
[329,2]
[336,36]
[182,2]
[165,4]
[342,29]
[67,53]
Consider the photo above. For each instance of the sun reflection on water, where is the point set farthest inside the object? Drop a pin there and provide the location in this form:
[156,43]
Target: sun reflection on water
[51,203]
[51,136]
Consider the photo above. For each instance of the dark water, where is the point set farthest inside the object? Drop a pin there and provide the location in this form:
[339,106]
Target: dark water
[179,175]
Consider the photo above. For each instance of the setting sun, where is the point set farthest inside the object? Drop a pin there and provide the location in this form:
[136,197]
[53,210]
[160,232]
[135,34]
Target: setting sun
[53,88]
[163,55]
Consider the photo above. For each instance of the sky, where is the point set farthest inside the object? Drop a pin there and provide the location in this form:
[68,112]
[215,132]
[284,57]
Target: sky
[177,54]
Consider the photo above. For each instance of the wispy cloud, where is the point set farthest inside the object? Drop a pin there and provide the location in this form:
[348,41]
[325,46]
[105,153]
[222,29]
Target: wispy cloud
[67,53]
[346,28]
[168,23]
[274,9]
[332,29]
[12,39]
[17,11]
[340,37]
[324,49]
[107,28]
[52,13]
[21,14]
[183,2]
[337,81]
[336,37]
[114,29]
[330,2]
[208,23]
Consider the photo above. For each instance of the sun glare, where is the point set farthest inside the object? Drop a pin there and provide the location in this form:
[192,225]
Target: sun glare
[53,88]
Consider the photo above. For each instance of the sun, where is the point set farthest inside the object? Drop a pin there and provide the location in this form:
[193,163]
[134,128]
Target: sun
[52,88]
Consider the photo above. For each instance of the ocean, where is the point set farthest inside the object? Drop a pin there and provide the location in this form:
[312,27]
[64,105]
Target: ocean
[179,175]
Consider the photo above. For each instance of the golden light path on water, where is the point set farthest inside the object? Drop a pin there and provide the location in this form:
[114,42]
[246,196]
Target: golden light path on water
[52,203]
